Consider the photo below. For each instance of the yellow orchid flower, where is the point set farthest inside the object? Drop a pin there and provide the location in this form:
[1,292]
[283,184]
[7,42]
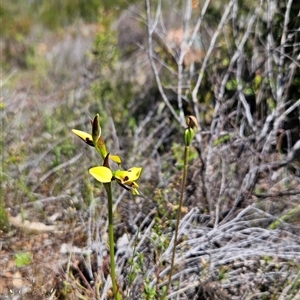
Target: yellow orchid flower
[125,178]
[103,173]
[128,177]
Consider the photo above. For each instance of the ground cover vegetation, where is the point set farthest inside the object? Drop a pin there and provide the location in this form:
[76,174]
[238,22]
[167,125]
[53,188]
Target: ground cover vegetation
[144,67]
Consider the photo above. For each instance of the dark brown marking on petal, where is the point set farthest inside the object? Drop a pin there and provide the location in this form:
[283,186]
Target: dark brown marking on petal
[124,186]
[89,142]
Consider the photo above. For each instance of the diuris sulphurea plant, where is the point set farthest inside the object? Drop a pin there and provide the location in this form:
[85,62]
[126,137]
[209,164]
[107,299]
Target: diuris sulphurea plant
[126,179]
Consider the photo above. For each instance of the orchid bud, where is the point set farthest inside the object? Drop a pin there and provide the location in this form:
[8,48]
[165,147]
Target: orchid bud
[96,130]
[191,122]
[188,136]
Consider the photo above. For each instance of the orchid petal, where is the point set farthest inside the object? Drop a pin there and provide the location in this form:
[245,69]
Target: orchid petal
[127,178]
[135,173]
[135,192]
[102,174]
[87,138]
[115,158]
[121,175]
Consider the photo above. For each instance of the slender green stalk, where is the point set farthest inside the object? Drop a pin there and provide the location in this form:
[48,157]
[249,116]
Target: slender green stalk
[185,166]
[111,241]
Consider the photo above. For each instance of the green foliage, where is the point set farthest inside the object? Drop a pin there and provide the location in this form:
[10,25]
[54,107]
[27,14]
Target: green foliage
[55,14]
[134,270]
[105,44]
[222,273]
[160,240]
[231,85]
[291,216]
[22,259]
[33,60]
[149,292]
[160,201]
[105,56]
[296,284]
[112,90]
[271,104]
[137,266]
[178,155]
[221,140]
[15,23]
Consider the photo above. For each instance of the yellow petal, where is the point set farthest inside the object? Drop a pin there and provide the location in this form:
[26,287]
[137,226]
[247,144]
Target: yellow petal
[87,138]
[121,176]
[128,177]
[135,192]
[129,186]
[115,158]
[135,173]
[132,184]
[102,174]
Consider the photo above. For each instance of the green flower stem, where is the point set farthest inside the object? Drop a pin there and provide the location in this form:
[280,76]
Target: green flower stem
[111,241]
[184,175]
